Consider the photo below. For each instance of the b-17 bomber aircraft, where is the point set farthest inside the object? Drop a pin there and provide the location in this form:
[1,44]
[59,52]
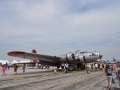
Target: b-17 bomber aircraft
[76,59]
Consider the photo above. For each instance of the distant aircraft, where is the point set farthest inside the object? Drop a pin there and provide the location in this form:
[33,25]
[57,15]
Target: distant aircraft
[77,58]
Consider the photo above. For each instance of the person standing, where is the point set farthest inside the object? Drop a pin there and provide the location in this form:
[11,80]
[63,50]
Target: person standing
[62,67]
[101,68]
[24,67]
[39,66]
[66,67]
[6,65]
[3,70]
[88,68]
[108,71]
[96,66]
[15,68]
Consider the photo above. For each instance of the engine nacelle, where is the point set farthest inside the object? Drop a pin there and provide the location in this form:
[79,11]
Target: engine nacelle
[70,56]
[81,58]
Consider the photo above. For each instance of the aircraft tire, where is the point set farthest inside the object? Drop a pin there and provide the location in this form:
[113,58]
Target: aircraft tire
[71,68]
[58,66]
[82,67]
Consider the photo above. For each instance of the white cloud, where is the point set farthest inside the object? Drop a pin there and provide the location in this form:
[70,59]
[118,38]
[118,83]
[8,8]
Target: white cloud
[95,22]
[61,24]
[45,11]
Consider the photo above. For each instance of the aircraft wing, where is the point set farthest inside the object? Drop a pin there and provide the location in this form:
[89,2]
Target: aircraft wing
[44,59]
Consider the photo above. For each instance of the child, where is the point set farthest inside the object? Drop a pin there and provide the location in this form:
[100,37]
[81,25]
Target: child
[3,70]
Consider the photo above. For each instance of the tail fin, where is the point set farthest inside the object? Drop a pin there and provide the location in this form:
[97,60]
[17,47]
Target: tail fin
[35,61]
[34,51]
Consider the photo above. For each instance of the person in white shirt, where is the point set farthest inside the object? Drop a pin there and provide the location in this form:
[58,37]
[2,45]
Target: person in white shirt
[88,68]
[96,66]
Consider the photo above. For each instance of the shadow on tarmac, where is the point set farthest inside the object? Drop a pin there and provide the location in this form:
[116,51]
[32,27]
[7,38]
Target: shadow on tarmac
[116,88]
[34,72]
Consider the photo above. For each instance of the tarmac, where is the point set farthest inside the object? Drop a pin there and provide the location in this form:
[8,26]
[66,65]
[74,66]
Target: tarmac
[10,74]
[44,79]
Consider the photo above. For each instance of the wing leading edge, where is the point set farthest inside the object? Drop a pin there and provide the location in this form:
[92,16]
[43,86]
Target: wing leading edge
[44,59]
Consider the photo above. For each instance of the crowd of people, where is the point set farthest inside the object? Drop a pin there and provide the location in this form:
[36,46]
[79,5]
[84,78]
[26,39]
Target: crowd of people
[113,73]
[94,67]
[5,67]
[88,66]
[112,70]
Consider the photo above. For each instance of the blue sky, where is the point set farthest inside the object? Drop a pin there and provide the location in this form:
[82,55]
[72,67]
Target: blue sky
[55,27]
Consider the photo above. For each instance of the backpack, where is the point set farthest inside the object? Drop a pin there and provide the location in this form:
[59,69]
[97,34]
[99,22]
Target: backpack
[109,72]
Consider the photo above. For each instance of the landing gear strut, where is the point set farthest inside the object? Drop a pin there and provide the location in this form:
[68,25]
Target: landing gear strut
[80,66]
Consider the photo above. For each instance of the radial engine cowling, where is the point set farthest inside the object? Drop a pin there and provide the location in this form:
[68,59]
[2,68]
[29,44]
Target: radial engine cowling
[70,56]
[82,58]
[79,57]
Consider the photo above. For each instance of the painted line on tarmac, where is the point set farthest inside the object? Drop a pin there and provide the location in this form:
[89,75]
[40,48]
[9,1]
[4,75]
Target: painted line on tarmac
[44,79]
[18,78]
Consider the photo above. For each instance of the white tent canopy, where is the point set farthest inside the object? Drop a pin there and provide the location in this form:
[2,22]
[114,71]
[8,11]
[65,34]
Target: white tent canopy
[14,62]
[7,61]
[4,61]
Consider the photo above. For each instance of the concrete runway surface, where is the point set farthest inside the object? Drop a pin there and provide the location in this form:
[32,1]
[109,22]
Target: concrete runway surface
[38,79]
